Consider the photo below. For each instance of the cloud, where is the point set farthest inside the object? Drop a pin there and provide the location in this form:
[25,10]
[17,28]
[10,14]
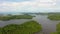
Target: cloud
[14,0]
[32,5]
[7,6]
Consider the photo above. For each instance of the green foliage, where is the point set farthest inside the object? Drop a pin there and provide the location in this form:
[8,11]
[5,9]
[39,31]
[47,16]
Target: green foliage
[29,27]
[58,27]
[54,17]
[9,17]
[54,33]
[1,31]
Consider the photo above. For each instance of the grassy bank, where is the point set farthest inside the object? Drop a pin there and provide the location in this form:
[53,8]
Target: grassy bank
[29,27]
[54,17]
[9,17]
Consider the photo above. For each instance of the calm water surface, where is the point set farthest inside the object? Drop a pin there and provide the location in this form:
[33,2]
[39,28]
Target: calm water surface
[48,26]
[18,21]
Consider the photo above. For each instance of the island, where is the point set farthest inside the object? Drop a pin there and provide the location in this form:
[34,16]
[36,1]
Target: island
[10,17]
[54,17]
[29,27]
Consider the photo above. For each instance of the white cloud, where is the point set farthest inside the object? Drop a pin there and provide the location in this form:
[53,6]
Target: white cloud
[46,0]
[27,5]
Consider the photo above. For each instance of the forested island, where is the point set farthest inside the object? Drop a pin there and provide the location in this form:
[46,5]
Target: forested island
[54,17]
[30,27]
[10,17]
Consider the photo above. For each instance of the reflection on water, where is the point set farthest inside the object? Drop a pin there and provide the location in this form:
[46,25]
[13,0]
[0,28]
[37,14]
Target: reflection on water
[48,26]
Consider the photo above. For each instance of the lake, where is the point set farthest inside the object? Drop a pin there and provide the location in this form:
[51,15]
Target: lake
[48,26]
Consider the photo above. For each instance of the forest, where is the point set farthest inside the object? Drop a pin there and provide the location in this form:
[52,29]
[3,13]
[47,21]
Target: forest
[29,27]
[10,17]
[54,17]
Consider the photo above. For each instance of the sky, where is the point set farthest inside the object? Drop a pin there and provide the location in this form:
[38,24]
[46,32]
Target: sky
[29,6]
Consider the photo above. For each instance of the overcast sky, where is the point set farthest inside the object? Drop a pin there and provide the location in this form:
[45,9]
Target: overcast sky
[29,5]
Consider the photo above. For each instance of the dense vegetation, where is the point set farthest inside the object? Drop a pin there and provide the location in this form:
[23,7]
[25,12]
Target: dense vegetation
[54,33]
[54,17]
[29,27]
[9,17]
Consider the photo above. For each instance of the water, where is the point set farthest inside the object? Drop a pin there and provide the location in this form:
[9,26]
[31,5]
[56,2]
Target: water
[48,26]
[17,21]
